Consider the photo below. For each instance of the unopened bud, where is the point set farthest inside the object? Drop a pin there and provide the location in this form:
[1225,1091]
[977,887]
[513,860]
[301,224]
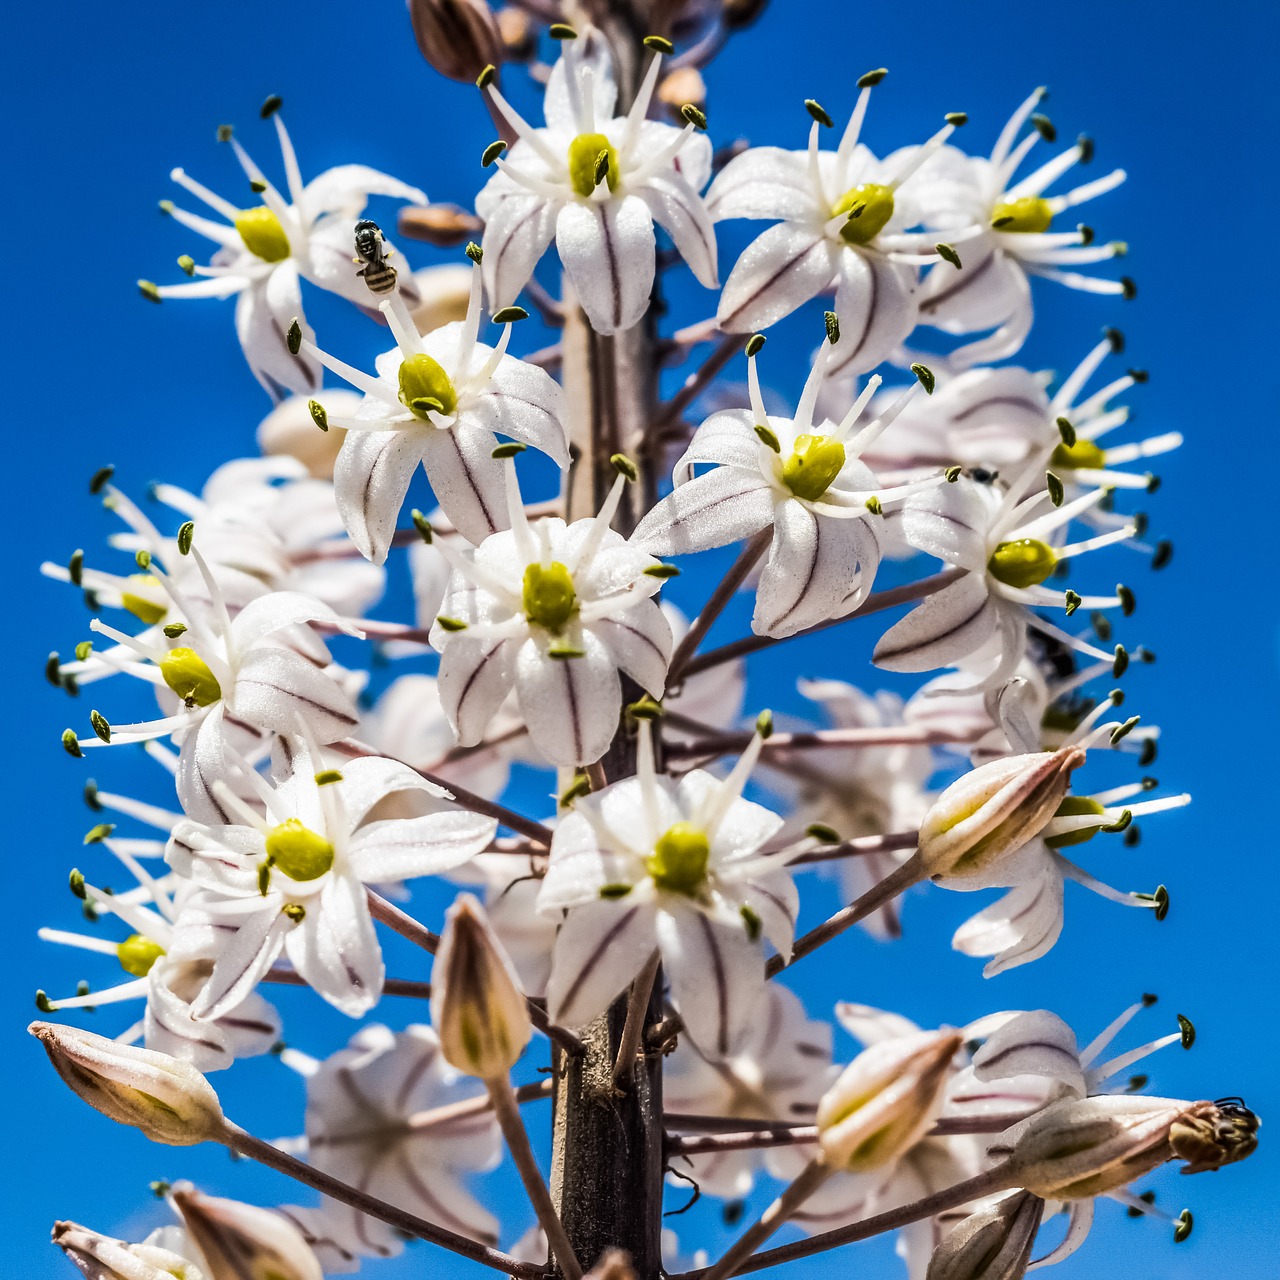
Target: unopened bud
[518,33]
[443,225]
[683,86]
[290,430]
[170,1101]
[477,1006]
[885,1100]
[992,1244]
[1210,1134]
[103,1258]
[614,1264]
[244,1241]
[443,295]
[994,810]
[459,38]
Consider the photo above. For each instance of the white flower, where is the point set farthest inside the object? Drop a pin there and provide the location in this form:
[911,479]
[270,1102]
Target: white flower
[555,612]
[596,183]
[265,251]
[1005,552]
[807,482]
[651,864]
[166,1254]
[780,1071]
[437,400]
[294,879]
[992,290]
[842,221]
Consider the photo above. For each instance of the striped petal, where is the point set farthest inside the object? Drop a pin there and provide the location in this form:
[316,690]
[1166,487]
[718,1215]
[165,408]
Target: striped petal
[570,705]
[711,510]
[946,627]
[370,479]
[336,950]
[608,251]
[779,270]
[403,848]
[275,686]
[467,480]
[678,209]
[599,950]
[812,564]
[1017,928]
[474,680]
[876,303]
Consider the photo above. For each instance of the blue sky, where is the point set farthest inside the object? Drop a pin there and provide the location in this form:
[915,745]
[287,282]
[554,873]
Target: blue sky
[103,100]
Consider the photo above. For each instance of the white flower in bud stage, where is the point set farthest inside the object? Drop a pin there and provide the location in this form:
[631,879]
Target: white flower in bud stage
[1005,551]
[779,1073]
[806,481]
[264,252]
[235,1239]
[843,219]
[596,183]
[437,400]
[650,865]
[555,612]
[166,1254]
[292,877]
[992,288]
[367,1123]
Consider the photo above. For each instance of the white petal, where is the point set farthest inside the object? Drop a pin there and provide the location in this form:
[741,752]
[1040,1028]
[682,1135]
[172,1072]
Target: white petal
[475,678]
[726,438]
[812,565]
[870,1026]
[876,303]
[266,615]
[570,705]
[1081,1220]
[274,686]
[370,479]
[467,480]
[947,626]
[1038,1043]
[248,954]
[950,521]
[776,900]
[200,765]
[988,289]
[335,948]
[346,188]
[779,270]
[639,642]
[560,101]
[711,510]
[599,950]
[264,312]
[369,779]
[1017,928]
[678,209]
[518,228]
[764,182]
[403,848]
[608,251]
[525,403]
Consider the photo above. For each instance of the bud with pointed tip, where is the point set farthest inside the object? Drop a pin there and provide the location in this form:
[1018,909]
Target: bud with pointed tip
[243,1242]
[103,1258]
[170,1101]
[992,1244]
[477,1006]
[994,810]
[443,225]
[1210,1134]
[459,38]
[885,1100]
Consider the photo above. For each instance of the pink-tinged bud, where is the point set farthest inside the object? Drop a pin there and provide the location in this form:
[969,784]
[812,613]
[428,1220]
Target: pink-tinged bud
[443,294]
[885,1100]
[519,33]
[170,1101]
[477,1006]
[683,86]
[443,225]
[243,1242]
[103,1258]
[459,38]
[994,810]
[614,1264]
[992,1244]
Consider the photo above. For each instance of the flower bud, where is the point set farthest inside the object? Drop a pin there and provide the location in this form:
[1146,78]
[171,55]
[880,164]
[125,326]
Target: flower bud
[290,429]
[992,1244]
[1083,1147]
[477,1006]
[170,1101]
[614,1264]
[994,810]
[519,33]
[884,1100]
[244,1242]
[103,1258]
[443,296]
[459,38]
[1210,1134]
[680,87]
[442,225]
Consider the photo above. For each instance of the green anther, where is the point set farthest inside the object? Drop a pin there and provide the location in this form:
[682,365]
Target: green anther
[1027,214]
[70,744]
[874,505]
[565,652]
[75,882]
[832,322]
[262,234]
[143,607]
[755,344]
[764,724]
[661,571]
[1084,455]
[142,559]
[422,525]
[294,911]
[319,415]
[1076,807]
[549,596]
[99,480]
[474,252]
[186,533]
[187,264]
[1183,1227]
[586,167]
[768,438]
[611,892]
[678,862]
[1188,1030]
[298,851]
[813,465]
[264,878]
[754,925]
[188,675]
[97,834]
[173,630]
[101,726]
[1026,562]
[869,206]
[823,833]
[511,449]
[423,379]
[948,253]
[1056,490]
[149,290]
[271,104]
[450,624]
[138,953]
[645,709]
[509,315]
[624,467]
[659,44]
[75,568]
[580,786]
[83,650]
[327,777]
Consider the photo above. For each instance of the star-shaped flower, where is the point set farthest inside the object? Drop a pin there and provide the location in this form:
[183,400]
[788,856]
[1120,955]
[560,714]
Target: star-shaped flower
[265,251]
[437,400]
[597,183]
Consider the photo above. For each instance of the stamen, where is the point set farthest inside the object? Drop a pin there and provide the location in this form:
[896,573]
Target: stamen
[292,173]
[640,107]
[922,154]
[1048,173]
[753,390]
[1013,127]
[812,385]
[201,192]
[401,325]
[855,411]
[78,940]
[1074,382]
[581,563]
[524,130]
[852,132]
[1120,1062]
[721,799]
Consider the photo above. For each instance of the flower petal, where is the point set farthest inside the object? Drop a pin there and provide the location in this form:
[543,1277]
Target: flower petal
[346,188]
[474,680]
[335,948]
[608,251]
[947,626]
[404,848]
[764,182]
[264,312]
[1037,1043]
[727,439]
[950,521]
[561,102]
[370,479]
[275,686]
[599,950]
[639,642]
[711,510]
[525,403]
[1017,928]
[518,228]
[268,614]
[467,479]
[678,209]
[876,303]
[570,705]
[779,270]
[244,958]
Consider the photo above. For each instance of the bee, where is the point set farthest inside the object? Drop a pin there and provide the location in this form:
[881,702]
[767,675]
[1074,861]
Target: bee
[371,251]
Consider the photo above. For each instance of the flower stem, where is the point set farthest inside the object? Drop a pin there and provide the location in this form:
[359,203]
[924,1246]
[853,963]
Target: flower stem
[245,1144]
[507,1110]
[859,847]
[637,1011]
[715,1143]
[420,1121]
[818,739]
[390,987]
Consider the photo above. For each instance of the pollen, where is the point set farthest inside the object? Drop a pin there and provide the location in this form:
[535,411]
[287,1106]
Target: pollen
[262,234]
[813,465]
[868,208]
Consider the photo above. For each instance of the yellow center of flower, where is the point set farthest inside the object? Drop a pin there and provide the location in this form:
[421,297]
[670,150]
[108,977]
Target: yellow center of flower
[1026,562]
[188,675]
[298,851]
[137,954]
[1028,214]
[868,207]
[549,596]
[678,862]
[814,463]
[1076,807]
[425,387]
[1084,455]
[586,162]
[262,234]
[143,603]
